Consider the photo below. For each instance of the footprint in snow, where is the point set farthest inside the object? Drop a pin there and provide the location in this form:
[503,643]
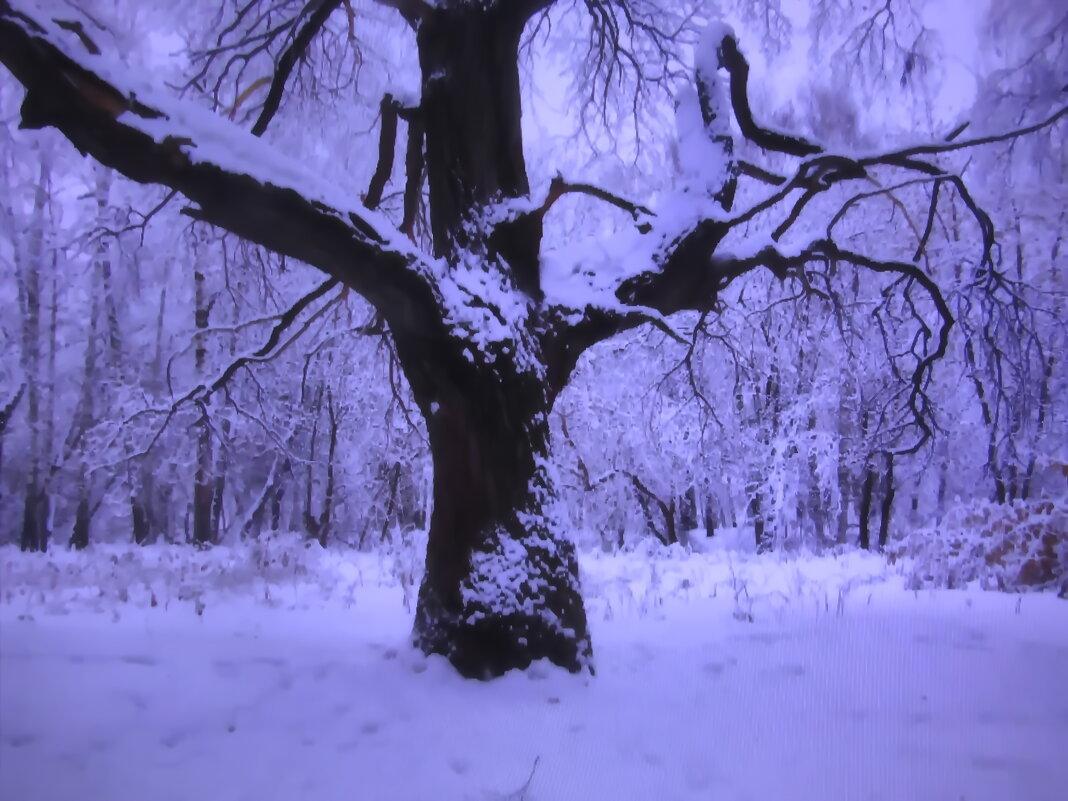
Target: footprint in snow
[340,709]
[20,740]
[137,659]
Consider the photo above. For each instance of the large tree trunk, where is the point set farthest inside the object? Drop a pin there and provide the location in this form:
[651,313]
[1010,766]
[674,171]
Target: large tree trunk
[471,111]
[501,585]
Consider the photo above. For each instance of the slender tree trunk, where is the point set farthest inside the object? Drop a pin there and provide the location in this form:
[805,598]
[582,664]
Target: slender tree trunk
[708,508]
[815,500]
[866,492]
[993,461]
[278,493]
[687,506]
[886,508]
[393,472]
[1044,404]
[35,534]
[327,514]
[203,483]
[79,537]
[941,451]
[647,499]
[144,523]
[146,499]
[846,483]
[85,414]
[756,514]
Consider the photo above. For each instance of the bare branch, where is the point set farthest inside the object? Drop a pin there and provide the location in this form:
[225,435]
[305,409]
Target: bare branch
[936,148]
[413,168]
[320,11]
[9,409]
[759,173]
[560,187]
[202,392]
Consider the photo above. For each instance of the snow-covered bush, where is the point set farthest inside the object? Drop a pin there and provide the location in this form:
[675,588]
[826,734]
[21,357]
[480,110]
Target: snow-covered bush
[1012,547]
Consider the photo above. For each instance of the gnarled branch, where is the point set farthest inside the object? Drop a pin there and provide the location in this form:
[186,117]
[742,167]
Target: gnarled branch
[241,185]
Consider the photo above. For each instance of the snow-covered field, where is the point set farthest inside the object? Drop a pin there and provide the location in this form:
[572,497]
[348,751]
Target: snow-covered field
[282,673]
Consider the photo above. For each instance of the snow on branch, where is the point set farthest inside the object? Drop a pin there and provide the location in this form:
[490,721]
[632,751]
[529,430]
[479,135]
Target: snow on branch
[237,181]
[679,262]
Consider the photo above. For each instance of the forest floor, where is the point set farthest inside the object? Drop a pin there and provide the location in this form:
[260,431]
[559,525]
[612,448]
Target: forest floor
[280,672]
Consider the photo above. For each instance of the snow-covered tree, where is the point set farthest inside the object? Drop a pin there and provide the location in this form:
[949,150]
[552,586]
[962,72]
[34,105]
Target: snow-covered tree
[487,308]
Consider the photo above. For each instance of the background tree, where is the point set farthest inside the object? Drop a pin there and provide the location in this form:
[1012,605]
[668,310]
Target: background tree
[486,318]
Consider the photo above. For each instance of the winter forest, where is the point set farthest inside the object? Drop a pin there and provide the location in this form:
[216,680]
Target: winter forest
[434,339]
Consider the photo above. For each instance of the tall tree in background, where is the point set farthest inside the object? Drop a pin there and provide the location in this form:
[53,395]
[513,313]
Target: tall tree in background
[486,333]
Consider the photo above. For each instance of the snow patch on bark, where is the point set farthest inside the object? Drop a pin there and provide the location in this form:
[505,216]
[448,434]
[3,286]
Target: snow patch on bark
[704,160]
[526,575]
[512,579]
[482,307]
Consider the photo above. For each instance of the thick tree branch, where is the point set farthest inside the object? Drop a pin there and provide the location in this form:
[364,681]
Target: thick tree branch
[387,146]
[691,272]
[202,392]
[735,63]
[238,183]
[668,536]
[413,168]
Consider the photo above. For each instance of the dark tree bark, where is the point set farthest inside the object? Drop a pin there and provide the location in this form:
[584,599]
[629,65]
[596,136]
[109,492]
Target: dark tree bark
[317,526]
[712,516]
[139,520]
[886,507]
[79,537]
[755,510]
[501,583]
[687,510]
[667,511]
[204,531]
[866,492]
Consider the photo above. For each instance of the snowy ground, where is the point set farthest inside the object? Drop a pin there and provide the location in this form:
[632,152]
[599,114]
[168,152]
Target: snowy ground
[283,674]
